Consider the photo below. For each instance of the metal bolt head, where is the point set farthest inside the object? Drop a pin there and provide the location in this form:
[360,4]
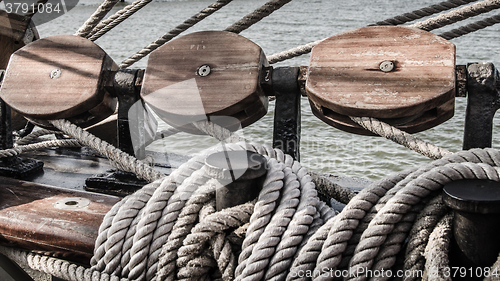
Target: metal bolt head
[56,73]
[387,66]
[204,70]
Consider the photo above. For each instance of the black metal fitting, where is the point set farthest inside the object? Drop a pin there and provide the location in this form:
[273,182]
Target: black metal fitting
[124,86]
[483,100]
[240,174]
[286,135]
[476,222]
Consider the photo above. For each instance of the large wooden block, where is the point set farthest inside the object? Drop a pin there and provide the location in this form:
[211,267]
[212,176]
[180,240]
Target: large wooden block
[397,74]
[204,75]
[58,77]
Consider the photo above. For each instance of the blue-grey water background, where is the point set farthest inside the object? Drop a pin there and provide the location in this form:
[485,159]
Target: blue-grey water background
[323,148]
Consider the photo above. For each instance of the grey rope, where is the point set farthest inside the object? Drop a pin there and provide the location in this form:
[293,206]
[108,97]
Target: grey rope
[124,161]
[174,32]
[111,18]
[37,146]
[475,26]
[392,133]
[436,252]
[34,135]
[96,17]
[130,10]
[419,236]
[457,15]
[257,15]
[424,12]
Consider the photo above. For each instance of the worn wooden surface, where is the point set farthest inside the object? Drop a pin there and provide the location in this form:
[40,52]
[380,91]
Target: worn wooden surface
[344,74]
[31,216]
[179,95]
[77,92]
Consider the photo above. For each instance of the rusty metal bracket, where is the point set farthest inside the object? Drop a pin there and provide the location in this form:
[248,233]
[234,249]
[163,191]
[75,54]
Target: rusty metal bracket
[483,100]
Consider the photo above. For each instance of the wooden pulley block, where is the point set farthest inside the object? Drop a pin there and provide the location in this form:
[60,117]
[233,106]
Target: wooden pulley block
[212,75]
[15,32]
[400,75]
[59,77]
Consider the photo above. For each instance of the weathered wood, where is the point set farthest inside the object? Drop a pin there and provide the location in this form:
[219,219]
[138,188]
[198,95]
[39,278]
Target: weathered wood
[46,218]
[178,90]
[345,78]
[59,77]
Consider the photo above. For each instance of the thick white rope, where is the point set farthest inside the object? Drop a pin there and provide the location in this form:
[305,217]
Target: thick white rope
[419,184]
[392,133]
[436,251]
[214,7]
[96,17]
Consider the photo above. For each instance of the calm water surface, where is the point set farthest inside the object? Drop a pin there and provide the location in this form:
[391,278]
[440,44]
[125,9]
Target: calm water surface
[323,148]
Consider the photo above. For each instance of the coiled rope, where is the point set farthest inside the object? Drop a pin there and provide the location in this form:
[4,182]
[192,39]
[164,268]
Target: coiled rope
[383,214]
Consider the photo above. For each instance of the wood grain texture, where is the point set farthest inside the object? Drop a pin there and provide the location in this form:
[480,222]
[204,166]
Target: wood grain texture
[344,74]
[173,88]
[29,89]
[30,219]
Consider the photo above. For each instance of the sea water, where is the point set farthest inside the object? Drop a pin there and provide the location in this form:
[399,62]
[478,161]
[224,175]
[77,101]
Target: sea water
[323,148]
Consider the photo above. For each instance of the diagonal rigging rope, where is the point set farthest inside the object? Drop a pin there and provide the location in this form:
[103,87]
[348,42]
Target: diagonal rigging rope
[424,12]
[129,10]
[96,17]
[244,23]
[430,24]
[458,15]
[257,15]
[175,31]
[472,27]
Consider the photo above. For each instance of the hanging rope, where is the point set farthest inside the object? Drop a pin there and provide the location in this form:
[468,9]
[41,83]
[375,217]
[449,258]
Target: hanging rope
[96,17]
[174,32]
[392,133]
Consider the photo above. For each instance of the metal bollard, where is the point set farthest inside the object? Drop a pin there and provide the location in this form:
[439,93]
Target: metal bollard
[476,223]
[240,174]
